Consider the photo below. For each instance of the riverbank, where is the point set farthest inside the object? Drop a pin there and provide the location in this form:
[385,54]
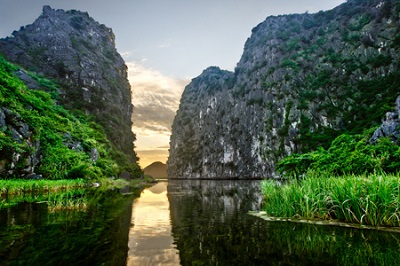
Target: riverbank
[63,194]
[371,200]
[263,215]
[22,186]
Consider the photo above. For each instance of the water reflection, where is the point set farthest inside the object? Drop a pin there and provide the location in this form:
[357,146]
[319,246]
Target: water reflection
[211,227]
[35,234]
[150,239]
[206,221]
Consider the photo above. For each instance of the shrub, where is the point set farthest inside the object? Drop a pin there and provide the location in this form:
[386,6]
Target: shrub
[348,154]
[79,171]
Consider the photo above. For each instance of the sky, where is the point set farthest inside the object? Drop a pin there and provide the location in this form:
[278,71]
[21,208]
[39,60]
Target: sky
[165,44]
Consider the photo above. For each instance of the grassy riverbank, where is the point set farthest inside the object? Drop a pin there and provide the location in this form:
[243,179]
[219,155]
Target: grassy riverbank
[21,186]
[61,194]
[364,199]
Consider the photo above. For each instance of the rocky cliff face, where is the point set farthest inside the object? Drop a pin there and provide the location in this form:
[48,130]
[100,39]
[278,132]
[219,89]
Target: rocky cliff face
[21,133]
[390,127]
[302,80]
[80,53]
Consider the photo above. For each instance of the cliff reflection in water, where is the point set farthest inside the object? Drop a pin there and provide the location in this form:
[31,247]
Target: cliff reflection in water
[209,221]
[211,226]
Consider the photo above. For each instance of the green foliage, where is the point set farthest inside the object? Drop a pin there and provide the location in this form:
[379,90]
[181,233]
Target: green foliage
[291,45]
[360,22]
[78,172]
[366,199]
[77,22]
[290,64]
[50,124]
[348,154]
[69,200]
[309,22]
[369,100]
[396,41]
[380,60]
[21,186]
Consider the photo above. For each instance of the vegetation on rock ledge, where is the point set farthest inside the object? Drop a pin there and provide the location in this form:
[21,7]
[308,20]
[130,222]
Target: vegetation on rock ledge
[348,154]
[55,142]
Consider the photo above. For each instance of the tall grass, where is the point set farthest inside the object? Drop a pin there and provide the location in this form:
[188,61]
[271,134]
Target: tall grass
[69,200]
[20,186]
[368,200]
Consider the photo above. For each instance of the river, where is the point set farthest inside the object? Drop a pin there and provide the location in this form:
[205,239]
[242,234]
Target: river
[178,222]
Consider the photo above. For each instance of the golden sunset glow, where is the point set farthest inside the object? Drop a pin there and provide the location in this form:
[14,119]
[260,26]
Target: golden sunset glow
[156,99]
[150,237]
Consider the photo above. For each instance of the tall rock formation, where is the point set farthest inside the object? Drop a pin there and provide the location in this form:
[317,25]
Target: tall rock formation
[80,54]
[302,80]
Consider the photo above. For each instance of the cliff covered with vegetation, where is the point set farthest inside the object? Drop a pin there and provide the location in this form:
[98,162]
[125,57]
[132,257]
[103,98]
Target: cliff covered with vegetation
[73,119]
[303,80]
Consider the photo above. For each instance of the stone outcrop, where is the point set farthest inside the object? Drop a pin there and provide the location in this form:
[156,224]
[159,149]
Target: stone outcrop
[302,80]
[80,53]
[390,126]
[21,133]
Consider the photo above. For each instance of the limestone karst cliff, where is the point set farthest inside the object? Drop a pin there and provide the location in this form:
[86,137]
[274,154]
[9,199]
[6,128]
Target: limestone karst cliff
[78,52]
[65,101]
[302,80]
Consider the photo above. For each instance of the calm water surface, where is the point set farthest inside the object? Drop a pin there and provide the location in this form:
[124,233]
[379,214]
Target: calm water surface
[181,223]
[42,234]
[150,236]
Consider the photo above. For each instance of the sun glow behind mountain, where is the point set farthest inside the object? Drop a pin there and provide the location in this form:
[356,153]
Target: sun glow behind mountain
[156,99]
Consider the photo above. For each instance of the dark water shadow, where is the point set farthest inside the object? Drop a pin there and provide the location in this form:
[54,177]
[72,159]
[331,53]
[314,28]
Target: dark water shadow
[211,226]
[34,234]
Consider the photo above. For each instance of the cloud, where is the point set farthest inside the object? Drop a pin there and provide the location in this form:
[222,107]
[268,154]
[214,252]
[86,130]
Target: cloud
[156,99]
[126,54]
[163,147]
[164,45]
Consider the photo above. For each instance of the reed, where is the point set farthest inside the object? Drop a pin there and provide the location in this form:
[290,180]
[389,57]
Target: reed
[20,186]
[69,200]
[365,199]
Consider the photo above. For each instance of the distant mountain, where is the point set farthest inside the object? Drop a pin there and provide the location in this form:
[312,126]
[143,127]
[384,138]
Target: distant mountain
[156,170]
